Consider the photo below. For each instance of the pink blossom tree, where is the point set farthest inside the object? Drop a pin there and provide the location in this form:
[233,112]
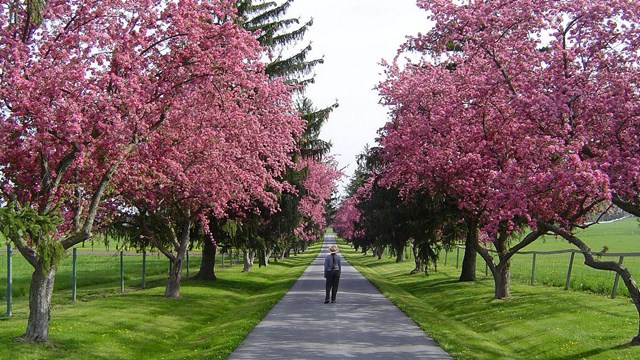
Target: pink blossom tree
[319,183]
[219,151]
[518,111]
[346,218]
[83,86]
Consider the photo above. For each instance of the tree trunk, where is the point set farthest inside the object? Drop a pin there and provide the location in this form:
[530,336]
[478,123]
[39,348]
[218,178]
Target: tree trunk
[172,289]
[468,272]
[268,256]
[379,252]
[419,264]
[399,248]
[620,269]
[502,281]
[40,293]
[501,273]
[208,264]
[248,257]
[262,257]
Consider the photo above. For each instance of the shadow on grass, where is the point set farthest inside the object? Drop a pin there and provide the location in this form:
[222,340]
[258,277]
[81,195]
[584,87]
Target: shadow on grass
[593,352]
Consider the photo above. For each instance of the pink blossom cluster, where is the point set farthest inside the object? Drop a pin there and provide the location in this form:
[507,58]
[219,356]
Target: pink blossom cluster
[346,219]
[164,103]
[319,183]
[520,111]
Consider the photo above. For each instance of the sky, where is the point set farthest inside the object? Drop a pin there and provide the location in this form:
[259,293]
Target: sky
[353,36]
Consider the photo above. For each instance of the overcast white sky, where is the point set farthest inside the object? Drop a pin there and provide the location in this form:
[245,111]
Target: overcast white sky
[354,36]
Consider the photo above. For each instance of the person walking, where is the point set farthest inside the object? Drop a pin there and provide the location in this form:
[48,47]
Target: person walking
[332,274]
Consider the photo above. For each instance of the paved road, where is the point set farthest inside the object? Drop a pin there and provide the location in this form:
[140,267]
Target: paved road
[362,324]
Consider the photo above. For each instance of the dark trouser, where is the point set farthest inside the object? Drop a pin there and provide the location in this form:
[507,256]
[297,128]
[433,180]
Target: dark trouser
[333,280]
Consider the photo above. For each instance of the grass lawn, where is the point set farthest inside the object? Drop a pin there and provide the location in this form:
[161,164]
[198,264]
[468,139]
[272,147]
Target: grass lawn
[621,236]
[538,322]
[208,322]
[618,236]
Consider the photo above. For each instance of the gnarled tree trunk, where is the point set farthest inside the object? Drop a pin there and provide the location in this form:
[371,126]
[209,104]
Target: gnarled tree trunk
[468,272]
[181,245]
[248,257]
[40,293]
[267,256]
[172,288]
[501,273]
[399,248]
[208,264]
[418,261]
[502,280]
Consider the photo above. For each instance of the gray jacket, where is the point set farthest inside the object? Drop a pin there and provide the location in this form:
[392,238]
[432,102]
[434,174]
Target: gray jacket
[329,262]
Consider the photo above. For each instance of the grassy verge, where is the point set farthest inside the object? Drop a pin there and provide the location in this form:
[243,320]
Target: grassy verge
[208,322]
[620,236]
[538,322]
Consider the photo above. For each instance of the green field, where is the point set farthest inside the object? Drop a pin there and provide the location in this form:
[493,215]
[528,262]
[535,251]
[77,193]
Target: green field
[537,322]
[211,319]
[621,236]
[97,271]
[207,322]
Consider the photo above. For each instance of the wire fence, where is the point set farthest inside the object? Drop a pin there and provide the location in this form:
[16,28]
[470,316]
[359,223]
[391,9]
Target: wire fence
[95,272]
[560,268]
[89,272]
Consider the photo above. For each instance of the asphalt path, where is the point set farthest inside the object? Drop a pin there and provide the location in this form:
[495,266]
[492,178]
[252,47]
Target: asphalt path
[362,324]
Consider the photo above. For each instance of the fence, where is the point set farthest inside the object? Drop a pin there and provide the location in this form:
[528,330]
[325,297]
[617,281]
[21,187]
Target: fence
[559,268]
[96,271]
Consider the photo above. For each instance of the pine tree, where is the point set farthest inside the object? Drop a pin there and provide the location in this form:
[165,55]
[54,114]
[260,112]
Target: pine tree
[282,35]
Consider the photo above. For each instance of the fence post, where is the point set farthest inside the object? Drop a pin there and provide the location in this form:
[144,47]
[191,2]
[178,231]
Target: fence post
[9,281]
[457,256]
[614,291]
[122,271]
[566,285]
[74,277]
[533,268]
[144,266]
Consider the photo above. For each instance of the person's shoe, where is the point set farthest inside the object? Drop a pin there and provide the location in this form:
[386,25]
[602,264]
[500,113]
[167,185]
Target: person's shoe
[326,301]
[333,302]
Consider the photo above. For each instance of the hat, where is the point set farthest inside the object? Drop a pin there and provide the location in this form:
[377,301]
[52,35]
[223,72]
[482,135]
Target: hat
[333,248]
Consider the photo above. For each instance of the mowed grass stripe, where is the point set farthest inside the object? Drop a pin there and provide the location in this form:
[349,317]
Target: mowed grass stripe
[538,322]
[208,322]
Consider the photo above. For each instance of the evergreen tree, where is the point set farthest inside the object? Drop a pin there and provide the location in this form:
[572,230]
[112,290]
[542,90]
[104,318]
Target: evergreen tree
[281,35]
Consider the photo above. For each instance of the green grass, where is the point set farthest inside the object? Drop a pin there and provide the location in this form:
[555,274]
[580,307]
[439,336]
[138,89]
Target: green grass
[551,269]
[619,236]
[208,322]
[538,322]
[97,271]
